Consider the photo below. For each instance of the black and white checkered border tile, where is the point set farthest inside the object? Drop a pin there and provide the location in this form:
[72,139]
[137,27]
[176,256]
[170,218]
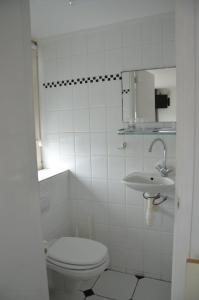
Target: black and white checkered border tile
[127,91]
[84,80]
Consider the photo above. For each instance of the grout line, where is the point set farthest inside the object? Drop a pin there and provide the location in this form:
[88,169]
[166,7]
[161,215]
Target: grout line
[144,276]
[105,297]
[135,288]
[157,279]
[95,281]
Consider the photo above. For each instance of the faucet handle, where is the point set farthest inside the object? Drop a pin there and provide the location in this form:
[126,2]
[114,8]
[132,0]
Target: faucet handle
[159,167]
[167,171]
[163,171]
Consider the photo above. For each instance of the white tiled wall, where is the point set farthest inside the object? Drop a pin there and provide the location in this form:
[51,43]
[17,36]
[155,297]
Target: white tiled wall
[79,130]
[55,207]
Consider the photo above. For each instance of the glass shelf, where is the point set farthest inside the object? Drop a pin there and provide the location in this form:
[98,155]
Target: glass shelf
[146,131]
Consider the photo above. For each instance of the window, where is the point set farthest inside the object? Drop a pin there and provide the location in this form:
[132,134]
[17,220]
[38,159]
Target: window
[36,104]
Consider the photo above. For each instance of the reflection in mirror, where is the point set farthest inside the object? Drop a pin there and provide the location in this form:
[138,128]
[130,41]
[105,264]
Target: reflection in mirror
[149,96]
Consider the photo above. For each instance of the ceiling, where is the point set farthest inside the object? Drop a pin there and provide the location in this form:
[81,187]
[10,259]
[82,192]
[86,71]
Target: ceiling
[54,17]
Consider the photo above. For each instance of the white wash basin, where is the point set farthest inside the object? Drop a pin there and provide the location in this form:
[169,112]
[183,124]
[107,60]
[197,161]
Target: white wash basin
[149,183]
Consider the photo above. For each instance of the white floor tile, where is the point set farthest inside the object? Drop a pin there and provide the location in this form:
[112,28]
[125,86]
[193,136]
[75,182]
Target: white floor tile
[115,285]
[150,289]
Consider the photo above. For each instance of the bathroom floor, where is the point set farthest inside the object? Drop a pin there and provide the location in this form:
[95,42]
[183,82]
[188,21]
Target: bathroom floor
[121,286]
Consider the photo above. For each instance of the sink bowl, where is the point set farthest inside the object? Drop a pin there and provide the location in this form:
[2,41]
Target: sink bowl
[149,183]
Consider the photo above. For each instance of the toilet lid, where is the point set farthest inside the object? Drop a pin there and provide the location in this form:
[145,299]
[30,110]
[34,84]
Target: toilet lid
[77,251]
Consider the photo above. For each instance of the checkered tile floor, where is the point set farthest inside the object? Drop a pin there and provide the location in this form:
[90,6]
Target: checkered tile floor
[120,286]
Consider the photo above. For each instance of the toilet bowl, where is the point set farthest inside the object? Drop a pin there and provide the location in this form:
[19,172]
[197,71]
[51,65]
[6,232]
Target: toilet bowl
[77,259]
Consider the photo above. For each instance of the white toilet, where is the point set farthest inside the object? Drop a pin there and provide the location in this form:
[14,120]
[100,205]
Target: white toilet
[77,259]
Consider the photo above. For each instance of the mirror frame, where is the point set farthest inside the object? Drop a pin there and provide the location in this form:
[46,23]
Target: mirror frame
[151,123]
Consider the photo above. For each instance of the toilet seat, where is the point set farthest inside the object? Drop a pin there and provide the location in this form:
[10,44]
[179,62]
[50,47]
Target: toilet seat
[75,267]
[74,253]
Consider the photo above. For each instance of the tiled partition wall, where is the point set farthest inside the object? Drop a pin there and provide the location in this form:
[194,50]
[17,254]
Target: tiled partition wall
[55,207]
[79,123]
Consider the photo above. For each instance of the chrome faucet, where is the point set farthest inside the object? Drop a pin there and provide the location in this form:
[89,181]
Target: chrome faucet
[162,168]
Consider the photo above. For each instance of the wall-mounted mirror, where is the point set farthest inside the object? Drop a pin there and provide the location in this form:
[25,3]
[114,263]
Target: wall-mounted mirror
[149,96]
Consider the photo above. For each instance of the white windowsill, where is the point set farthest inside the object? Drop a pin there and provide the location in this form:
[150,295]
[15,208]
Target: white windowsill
[47,173]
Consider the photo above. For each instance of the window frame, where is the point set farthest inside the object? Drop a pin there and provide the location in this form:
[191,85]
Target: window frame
[36,104]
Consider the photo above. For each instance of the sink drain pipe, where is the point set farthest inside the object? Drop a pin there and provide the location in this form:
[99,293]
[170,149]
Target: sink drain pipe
[151,202]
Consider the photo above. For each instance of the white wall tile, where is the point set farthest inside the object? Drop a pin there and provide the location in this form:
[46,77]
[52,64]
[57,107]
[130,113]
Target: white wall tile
[48,49]
[64,47]
[115,142]
[83,166]
[50,70]
[134,216]
[134,164]
[98,144]
[166,243]
[82,143]
[118,258]
[66,121]
[100,213]
[131,33]
[84,210]
[79,43]
[52,122]
[116,167]
[66,141]
[96,41]
[152,264]
[152,56]
[151,241]
[116,192]
[113,61]
[168,27]
[79,66]
[132,57]
[96,63]
[113,93]
[134,261]
[114,118]
[134,198]
[80,188]
[118,235]
[64,68]
[116,215]
[135,239]
[80,97]
[98,119]
[99,167]
[51,151]
[113,38]
[169,51]
[63,98]
[99,190]
[68,162]
[81,120]
[97,95]
[152,30]
[150,163]
[134,145]
[166,267]
[102,233]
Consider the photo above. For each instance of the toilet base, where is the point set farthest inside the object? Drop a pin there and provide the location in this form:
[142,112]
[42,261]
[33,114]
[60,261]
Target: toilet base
[63,285]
